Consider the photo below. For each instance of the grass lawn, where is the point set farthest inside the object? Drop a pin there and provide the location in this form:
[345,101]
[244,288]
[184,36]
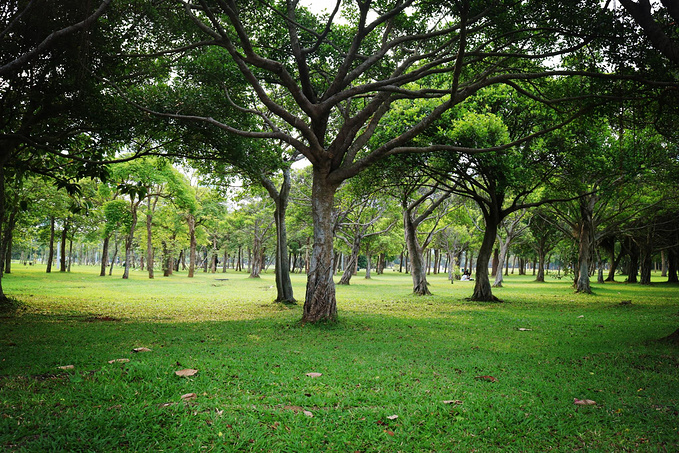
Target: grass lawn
[398,372]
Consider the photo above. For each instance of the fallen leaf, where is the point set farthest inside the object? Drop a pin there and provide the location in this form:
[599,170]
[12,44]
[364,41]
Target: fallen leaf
[523,329]
[581,316]
[186,373]
[452,402]
[583,402]
[295,409]
[392,417]
[119,361]
[314,374]
[308,414]
[66,367]
[391,433]
[189,396]
[141,350]
[486,378]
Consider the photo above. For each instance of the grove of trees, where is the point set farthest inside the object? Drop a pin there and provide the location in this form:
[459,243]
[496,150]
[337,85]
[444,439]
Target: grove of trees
[401,135]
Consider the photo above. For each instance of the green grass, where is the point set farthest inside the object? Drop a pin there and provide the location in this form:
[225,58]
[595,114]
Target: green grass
[391,354]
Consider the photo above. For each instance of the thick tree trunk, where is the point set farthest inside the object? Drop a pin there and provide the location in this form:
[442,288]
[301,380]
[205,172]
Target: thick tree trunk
[672,261]
[417,266]
[646,264]
[496,262]
[541,266]
[256,255]
[482,289]
[104,256]
[191,221]
[50,255]
[663,263]
[585,245]
[320,303]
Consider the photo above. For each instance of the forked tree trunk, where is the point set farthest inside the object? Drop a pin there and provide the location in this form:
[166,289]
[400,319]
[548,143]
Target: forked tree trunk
[417,267]
[320,303]
[350,265]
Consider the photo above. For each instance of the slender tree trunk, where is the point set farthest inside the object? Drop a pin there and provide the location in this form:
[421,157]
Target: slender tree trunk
[320,303]
[663,265]
[226,260]
[368,265]
[501,259]
[256,255]
[8,239]
[541,265]
[350,266]
[149,235]
[115,253]
[50,255]
[129,243]
[4,300]
[284,292]
[104,256]
[191,222]
[62,257]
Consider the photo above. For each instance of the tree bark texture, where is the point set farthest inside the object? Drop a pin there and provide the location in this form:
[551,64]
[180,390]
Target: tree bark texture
[320,303]
[585,244]
[418,269]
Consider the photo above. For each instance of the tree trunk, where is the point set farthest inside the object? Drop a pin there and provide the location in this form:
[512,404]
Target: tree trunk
[284,292]
[191,221]
[320,303]
[496,262]
[4,300]
[663,263]
[350,265]
[8,238]
[501,258]
[541,265]
[672,261]
[482,289]
[646,264]
[256,254]
[104,256]
[129,243]
[418,270]
[50,255]
[633,271]
[115,253]
[586,244]
[368,265]
[149,235]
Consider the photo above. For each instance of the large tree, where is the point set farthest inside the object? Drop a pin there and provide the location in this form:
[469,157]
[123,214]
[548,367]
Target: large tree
[325,87]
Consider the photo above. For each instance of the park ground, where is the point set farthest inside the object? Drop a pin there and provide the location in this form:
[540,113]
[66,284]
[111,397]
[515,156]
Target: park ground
[396,373]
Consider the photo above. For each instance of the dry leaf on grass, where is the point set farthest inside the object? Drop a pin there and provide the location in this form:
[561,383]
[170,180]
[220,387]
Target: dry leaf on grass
[389,432]
[308,413]
[186,373]
[584,402]
[119,361]
[523,329]
[189,396]
[314,374]
[66,367]
[141,350]
[486,378]
[452,402]
[392,417]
